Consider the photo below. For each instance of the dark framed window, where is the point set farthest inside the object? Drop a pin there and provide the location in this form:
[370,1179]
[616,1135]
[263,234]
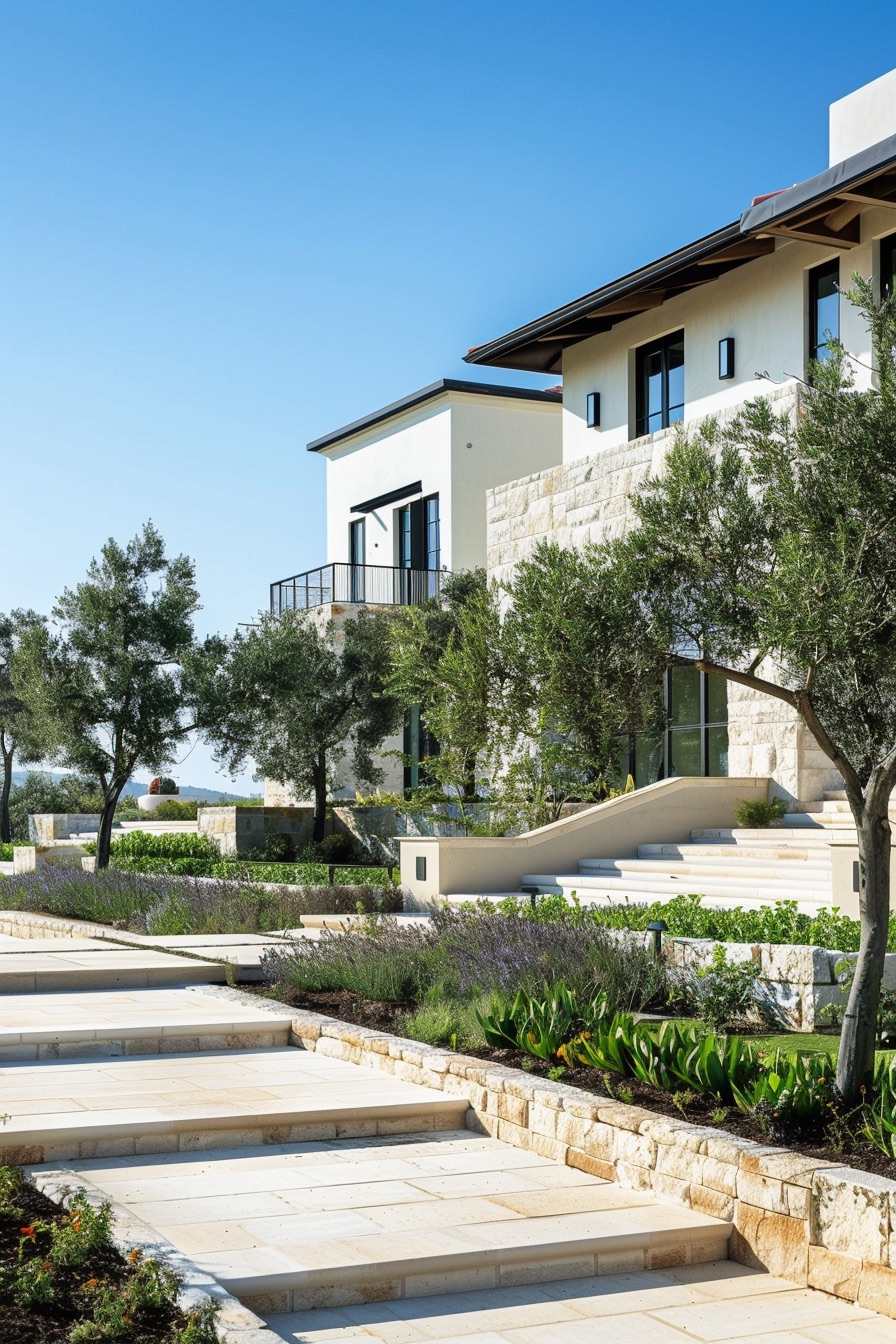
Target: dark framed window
[357,555]
[418,529]
[659,389]
[695,739]
[887,265]
[824,309]
[419,747]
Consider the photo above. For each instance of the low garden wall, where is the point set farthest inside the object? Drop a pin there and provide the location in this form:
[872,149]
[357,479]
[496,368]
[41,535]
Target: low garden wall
[831,1228]
[45,827]
[801,981]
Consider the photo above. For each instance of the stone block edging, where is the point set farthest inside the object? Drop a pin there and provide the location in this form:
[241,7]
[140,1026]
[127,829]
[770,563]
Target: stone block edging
[826,1227]
[234,1323]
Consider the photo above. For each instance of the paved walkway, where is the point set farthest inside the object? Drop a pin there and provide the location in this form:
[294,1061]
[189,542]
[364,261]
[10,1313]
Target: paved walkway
[342,1203]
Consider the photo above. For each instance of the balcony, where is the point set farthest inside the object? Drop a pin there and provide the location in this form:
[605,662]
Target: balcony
[367,585]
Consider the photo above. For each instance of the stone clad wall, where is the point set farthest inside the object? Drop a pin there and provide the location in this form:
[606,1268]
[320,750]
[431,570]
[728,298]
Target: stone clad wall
[830,1228]
[588,500]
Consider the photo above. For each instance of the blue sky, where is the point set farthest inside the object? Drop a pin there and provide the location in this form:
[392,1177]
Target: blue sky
[230,227]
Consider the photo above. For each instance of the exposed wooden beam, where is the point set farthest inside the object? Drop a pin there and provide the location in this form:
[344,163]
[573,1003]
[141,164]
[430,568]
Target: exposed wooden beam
[863,199]
[842,215]
[632,303]
[568,336]
[819,234]
[750,247]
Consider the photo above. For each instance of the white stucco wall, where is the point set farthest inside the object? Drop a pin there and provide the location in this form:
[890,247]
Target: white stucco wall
[414,445]
[762,304]
[509,438]
[863,118]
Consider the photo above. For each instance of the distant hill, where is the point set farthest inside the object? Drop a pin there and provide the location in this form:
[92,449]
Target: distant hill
[138,786]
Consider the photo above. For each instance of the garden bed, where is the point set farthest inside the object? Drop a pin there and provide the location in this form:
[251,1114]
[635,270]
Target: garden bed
[63,1280]
[693,1108]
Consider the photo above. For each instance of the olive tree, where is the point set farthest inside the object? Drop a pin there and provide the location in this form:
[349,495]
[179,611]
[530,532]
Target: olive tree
[765,553]
[17,736]
[298,699]
[104,681]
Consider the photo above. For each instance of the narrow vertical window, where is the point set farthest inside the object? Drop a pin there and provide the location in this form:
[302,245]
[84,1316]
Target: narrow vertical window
[356,558]
[824,309]
[887,265]
[433,555]
[659,393]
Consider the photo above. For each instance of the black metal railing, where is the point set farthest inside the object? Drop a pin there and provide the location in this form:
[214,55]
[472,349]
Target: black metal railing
[370,585]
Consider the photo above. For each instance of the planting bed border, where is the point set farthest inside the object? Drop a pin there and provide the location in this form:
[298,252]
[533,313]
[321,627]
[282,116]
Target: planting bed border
[234,1322]
[826,1227]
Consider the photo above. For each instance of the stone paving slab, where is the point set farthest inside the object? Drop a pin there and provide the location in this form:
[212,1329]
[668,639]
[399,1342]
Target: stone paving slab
[159,1103]
[107,967]
[367,1218]
[139,1021]
[711,1302]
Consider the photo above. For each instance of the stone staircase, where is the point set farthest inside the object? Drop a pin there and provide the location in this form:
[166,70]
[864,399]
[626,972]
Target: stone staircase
[341,1202]
[728,867]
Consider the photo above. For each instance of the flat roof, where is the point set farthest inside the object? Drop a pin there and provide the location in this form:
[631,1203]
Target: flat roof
[824,209]
[427,394]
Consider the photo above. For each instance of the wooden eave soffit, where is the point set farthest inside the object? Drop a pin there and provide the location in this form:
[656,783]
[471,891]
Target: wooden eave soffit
[835,222]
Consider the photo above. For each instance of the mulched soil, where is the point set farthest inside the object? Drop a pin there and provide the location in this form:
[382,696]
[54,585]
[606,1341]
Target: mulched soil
[52,1324]
[838,1148]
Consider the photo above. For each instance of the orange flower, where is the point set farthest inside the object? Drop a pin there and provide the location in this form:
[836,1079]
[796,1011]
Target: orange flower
[29,1232]
[91,1283]
[135,1255]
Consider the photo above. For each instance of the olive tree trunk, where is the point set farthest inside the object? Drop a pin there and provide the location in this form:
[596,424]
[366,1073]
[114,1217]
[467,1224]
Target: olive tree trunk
[5,789]
[107,817]
[320,798]
[855,1064]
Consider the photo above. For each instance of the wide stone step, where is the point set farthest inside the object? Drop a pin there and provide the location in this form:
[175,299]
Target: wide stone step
[661,884]
[39,966]
[111,1023]
[725,852]
[720,1301]
[741,869]
[196,1100]
[312,1225]
[593,891]
[809,834]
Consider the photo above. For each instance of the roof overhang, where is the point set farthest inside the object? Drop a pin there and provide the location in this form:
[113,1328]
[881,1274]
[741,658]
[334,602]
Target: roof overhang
[824,209]
[444,387]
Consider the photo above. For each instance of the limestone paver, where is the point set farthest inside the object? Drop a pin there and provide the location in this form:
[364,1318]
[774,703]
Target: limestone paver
[304,1217]
[625,1307]
[68,967]
[112,1014]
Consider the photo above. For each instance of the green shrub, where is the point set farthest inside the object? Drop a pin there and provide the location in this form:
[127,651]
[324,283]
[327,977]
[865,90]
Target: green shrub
[177,845]
[338,848]
[453,1023]
[176,809]
[687,917]
[6,854]
[760,813]
[540,1024]
[722,994]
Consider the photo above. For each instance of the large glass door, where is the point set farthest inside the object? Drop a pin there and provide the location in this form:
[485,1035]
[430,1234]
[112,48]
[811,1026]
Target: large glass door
[695,738]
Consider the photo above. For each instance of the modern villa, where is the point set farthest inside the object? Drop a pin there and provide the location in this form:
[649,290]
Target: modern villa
[465,474]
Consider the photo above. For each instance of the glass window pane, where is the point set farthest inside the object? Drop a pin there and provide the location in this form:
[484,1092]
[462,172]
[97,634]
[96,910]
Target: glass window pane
[685,751]
[717,748]
[676,381]
[648,759]
[684,695]
[716,700]
[433,544]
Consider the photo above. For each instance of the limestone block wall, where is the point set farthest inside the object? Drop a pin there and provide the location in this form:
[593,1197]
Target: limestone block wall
[589,500]
[828,1227]
[45,827]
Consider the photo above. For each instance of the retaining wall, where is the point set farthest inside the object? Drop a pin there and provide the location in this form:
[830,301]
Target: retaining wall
[823,1226]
